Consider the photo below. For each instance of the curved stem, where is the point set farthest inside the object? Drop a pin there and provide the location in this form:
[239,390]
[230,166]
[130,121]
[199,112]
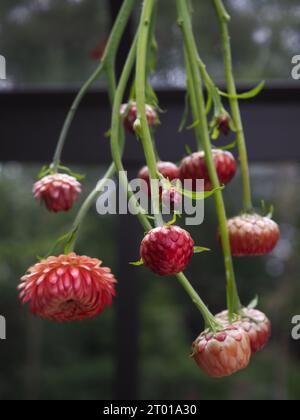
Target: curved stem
[115,147]
[145,134]
[88,204]
[224,18]
[107,63]
[202,133]
[191,93]
[116,129]
[210,320]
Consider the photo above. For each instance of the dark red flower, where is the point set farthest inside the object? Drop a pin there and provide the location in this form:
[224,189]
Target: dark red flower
[167,250]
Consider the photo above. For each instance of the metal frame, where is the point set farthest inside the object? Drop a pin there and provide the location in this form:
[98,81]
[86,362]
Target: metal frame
[31,120]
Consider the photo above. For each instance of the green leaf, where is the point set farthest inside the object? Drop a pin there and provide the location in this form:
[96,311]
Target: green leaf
[209,102]
[107,134]
[69,171]
[137,263]
[199,195]
[215,134]
[188,150]
[185,114]
[151,97]
[193,125]
[229,146]
[46,170]
[254,303]
[247,95]
[267,211]
[200,249]
[58,242]
[70,241]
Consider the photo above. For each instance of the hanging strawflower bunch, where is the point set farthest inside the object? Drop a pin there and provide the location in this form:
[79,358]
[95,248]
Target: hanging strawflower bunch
[69,287]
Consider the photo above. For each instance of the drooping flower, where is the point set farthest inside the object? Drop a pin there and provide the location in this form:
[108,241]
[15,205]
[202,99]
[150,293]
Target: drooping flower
[255,323]
[167,250]
[58,191]
[223,353]
[194,168]
[129,113]
[252,235]
[68,288]
[167,169]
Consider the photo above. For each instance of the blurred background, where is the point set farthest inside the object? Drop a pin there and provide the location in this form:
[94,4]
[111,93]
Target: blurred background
[139,348]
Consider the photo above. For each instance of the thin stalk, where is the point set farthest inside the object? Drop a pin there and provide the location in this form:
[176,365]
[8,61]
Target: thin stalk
[116,129]
[117,157]
[84,209]
[145,134]
[224,18]
[192,95]
[209,319]
[107,63]
[202,132]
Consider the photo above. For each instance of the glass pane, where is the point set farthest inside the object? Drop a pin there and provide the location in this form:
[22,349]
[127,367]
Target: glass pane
[57,42]
[52,42]
[265,36]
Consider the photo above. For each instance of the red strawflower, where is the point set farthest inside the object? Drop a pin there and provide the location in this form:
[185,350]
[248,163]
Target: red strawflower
[68,288]
[254,323]
[129,115]
[223,353]
[194,168]
[252,235]
[167,169]
[167,250]
[58,192]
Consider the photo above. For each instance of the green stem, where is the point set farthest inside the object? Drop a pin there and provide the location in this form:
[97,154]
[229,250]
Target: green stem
[145,134]
[115,147]
[210,320]
[191,93]
[116,129]
[202,132]
[224,18]
[107,63]
[92,197]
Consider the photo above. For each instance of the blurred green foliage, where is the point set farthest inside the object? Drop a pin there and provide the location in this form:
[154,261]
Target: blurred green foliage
[51,41]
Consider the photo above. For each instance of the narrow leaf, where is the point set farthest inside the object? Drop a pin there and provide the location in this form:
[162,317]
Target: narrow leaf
[188,150]
[254,303]
[247,95]
[229,146]
[193,125]
[199,195]
[200,249]
[185,114]
[137,263]
[209,102]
